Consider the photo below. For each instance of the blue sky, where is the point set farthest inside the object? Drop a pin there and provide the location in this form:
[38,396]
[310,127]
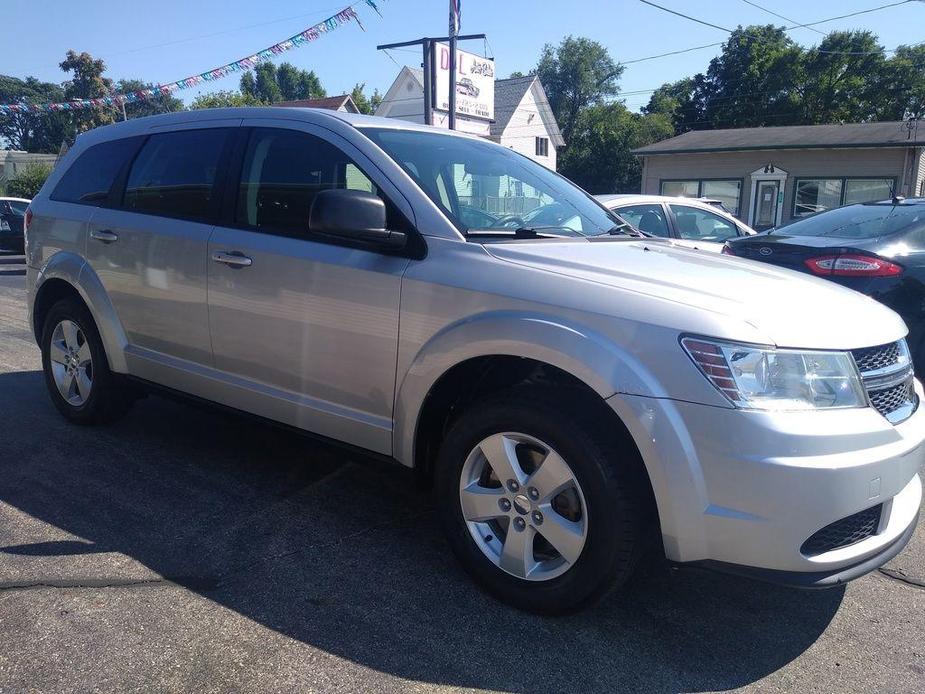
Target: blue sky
[167,40]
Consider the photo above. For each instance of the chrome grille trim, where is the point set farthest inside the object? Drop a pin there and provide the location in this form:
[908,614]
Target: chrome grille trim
[887,374]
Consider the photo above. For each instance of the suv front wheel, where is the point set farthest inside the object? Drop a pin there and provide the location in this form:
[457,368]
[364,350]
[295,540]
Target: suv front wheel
[544,509]
[76,370]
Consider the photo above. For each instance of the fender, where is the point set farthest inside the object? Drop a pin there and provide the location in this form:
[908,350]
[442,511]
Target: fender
[74,270]
[585,354]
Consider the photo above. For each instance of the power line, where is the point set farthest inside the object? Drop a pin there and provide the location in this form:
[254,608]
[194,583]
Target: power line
[779,16]
[796,26]
[316,13]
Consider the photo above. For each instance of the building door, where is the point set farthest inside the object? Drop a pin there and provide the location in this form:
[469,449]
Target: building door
[767,194]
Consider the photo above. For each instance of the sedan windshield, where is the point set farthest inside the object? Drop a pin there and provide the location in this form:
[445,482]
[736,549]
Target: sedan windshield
[857,222]
[486,188]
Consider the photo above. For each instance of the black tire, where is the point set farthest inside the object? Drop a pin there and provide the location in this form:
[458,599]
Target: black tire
[109,397]
[608,468]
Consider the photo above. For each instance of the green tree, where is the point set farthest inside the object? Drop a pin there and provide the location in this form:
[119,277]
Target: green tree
[901,85]
[32,132]
[678,101]
[599,155]
[297,84]
[27,182]
[270,84]
[223,99]
[838,78]
[751,82]
[577,74]
[87,82]
[365,104]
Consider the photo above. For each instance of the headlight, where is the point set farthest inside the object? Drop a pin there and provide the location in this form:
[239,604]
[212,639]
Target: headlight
[764,378]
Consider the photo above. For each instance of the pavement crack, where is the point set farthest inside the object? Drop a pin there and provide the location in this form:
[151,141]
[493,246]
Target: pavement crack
[899,575]
[80,583]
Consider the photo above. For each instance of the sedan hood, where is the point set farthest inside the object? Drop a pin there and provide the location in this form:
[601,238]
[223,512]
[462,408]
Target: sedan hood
[789,308]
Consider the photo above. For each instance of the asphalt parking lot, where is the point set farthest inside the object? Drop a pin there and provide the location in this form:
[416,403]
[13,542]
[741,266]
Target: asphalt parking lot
[184,549]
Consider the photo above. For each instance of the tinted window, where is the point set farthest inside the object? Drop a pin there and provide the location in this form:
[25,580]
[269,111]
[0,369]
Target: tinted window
[89,179]
[647,218]
[174,174]
[282,172]
[700,225]
[858,222]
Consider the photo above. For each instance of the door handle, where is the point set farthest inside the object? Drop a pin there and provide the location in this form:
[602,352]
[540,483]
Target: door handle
[234,259]
[104,235]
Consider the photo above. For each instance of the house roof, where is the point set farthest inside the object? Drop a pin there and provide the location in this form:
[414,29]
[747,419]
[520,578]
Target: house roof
[887,134]
[332,103]
[510,93]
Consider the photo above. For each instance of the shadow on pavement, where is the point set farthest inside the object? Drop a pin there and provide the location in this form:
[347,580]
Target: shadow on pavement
[345,555]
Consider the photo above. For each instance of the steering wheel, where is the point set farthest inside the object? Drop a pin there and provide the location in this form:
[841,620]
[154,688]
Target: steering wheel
[511,220]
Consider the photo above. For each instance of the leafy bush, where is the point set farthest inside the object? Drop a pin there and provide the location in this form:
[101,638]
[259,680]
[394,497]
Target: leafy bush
[27,182]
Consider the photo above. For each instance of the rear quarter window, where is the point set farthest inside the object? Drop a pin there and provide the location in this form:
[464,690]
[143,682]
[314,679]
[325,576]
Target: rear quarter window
[90,177]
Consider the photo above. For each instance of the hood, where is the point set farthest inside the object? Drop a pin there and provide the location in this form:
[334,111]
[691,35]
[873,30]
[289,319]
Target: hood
[790,308]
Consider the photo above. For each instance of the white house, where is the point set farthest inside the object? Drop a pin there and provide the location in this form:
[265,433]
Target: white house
[523,118]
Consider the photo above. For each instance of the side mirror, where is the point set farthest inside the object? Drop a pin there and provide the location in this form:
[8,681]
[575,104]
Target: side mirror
[353,215]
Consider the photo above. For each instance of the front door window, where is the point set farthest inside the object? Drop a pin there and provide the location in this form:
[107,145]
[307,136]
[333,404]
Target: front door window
[766,201]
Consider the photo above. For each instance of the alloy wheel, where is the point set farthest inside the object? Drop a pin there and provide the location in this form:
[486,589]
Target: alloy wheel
[523,506]
[71,362]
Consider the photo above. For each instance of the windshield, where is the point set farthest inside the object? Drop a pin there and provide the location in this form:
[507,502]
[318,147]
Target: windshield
[484,187]
[19,207]
[857,222]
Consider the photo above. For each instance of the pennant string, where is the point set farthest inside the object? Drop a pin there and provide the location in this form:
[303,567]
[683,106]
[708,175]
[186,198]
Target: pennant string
[312,33]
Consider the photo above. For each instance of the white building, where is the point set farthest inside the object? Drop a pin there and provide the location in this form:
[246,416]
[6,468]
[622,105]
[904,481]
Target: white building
[12,161]
[523,118]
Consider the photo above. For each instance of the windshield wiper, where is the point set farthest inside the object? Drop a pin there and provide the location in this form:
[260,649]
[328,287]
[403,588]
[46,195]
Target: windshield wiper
[626,229]
[533,232]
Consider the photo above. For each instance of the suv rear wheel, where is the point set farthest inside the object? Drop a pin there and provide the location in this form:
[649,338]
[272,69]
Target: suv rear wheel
[76,370]
[546,510]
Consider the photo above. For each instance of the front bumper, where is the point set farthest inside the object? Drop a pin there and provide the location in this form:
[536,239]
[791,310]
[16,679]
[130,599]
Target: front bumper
[743,490]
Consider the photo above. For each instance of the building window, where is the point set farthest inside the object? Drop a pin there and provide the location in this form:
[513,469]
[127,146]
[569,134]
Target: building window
[727,191]
[542,146]
[812,195]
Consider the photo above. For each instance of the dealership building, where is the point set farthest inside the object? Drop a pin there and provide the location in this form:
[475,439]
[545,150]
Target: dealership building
[767,176]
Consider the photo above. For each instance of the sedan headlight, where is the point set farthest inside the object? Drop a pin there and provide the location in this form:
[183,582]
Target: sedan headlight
[764,378]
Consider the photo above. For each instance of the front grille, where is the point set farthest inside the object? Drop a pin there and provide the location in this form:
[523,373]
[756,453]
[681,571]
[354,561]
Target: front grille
[886,371]
[844,532]
[873,358]
[889,400]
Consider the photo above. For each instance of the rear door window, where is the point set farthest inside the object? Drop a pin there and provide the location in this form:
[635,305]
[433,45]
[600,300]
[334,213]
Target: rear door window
[175,174]
[699,225]
[90,177]
[648,218]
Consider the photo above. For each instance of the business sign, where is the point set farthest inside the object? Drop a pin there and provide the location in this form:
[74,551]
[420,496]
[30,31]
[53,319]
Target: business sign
[475,83]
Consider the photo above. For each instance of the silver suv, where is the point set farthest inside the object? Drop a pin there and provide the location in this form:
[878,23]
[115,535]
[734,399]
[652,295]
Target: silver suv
[575,392]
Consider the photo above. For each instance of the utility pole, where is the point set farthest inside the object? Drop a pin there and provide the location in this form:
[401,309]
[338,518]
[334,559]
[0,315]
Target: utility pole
[454,32]
[427,46]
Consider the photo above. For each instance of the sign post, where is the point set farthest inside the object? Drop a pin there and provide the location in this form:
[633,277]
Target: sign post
[454,32]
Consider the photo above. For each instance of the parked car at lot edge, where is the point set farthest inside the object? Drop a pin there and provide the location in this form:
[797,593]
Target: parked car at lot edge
[12,212]
[567,389]
[875,248]
[695,223]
